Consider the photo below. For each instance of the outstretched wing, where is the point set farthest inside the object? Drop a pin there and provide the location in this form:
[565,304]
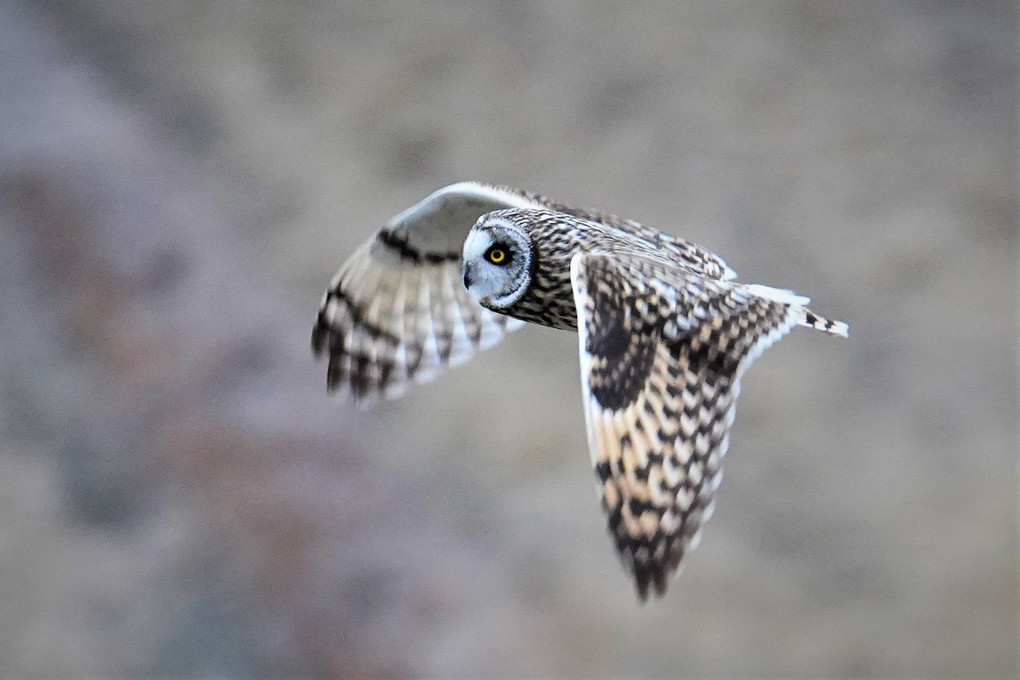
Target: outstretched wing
[397,311]
[662,353]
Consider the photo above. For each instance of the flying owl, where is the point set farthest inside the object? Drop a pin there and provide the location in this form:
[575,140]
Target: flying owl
[665,333]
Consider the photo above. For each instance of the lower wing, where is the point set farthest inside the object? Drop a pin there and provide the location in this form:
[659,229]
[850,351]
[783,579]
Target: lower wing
[662,352]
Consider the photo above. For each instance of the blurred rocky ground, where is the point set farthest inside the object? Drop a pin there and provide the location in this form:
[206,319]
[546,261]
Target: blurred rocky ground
[179,180]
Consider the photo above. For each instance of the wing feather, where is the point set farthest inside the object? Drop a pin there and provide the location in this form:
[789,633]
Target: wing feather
[662,351]
[397,313]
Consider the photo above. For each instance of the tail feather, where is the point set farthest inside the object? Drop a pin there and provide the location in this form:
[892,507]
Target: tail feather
[805,317]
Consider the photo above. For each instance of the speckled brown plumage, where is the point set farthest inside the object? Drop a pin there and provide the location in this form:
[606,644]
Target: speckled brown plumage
[665,334]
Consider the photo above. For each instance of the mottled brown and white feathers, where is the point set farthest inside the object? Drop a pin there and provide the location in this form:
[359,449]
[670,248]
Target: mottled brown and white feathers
[665,334]
[662,353]
[397,311]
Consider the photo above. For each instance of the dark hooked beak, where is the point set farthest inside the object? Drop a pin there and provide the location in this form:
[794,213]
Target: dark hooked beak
[467,275]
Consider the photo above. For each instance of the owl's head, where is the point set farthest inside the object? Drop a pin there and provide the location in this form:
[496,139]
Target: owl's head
[497,260]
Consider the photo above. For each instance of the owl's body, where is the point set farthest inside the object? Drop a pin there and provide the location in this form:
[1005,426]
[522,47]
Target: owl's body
[665,334]
[556,237]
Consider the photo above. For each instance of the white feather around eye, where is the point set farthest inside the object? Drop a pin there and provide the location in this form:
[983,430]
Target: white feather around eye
[496,285]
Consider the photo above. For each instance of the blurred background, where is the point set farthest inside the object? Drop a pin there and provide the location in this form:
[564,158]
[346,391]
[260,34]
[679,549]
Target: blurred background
[180,180]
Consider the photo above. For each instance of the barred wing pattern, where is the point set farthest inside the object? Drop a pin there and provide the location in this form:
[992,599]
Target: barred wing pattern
[662,352]
[397,312]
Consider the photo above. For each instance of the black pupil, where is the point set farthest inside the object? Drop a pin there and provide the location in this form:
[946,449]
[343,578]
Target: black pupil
[499,255]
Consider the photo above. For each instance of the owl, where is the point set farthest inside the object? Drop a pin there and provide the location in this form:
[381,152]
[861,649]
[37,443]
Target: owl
[665,333]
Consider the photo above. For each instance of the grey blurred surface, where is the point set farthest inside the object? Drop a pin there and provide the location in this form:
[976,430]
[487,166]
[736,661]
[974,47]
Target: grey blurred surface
[179,180]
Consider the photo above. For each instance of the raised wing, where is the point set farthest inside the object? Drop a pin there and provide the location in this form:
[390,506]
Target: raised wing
[662,353]
[397,311]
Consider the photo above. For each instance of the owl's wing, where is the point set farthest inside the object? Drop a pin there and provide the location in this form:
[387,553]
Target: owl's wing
[662,353]
[397,311]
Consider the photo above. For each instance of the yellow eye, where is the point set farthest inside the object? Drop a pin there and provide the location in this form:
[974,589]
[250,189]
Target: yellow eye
[497,255]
